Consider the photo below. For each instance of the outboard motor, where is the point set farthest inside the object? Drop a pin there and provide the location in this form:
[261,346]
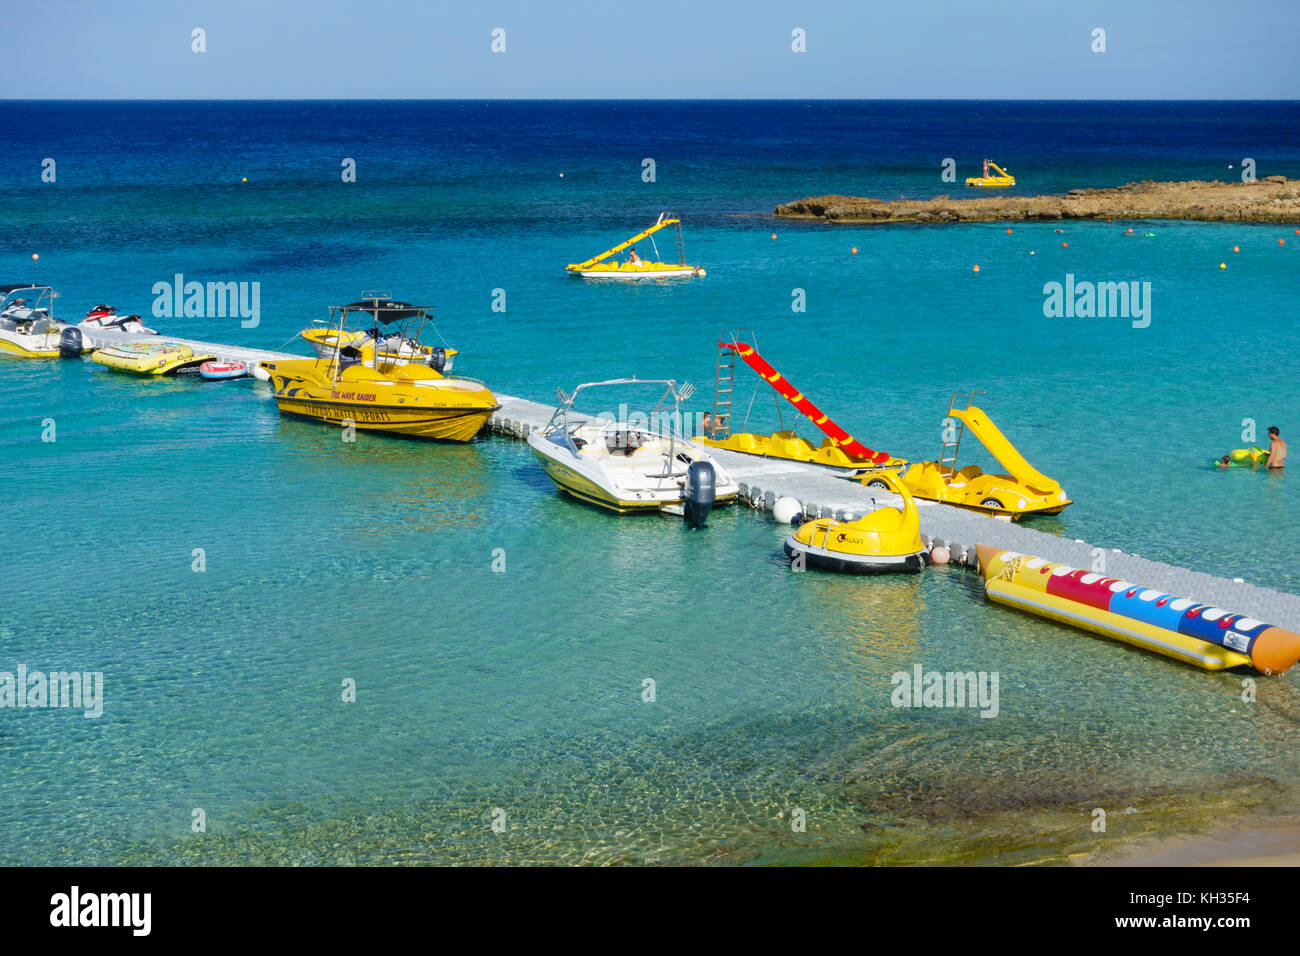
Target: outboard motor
[71,344]
[701,491]
[438,360]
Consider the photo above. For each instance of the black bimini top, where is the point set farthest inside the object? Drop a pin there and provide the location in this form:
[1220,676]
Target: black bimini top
[6,289]
[387,310]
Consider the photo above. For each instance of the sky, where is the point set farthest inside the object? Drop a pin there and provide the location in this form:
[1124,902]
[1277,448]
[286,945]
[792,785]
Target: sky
[654,49]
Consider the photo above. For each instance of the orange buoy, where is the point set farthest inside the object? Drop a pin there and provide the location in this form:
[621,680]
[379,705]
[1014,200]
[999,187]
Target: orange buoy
[1236,248]
[976,269]
[561,175]
[1281,242]
[1008,232]
[773,235]
[1065,245]
[855,250]
[1108,220]
[35,257]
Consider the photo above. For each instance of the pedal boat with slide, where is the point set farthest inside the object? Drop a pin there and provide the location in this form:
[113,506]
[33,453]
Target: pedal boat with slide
[632,466]
[377,392]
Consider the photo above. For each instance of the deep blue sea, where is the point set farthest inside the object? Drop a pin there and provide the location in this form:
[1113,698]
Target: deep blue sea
[517,696]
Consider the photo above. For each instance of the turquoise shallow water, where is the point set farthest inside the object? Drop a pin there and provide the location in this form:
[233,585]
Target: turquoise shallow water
[523,689]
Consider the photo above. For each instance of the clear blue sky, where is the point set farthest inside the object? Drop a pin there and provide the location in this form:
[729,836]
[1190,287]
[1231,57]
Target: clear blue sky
[1018,49]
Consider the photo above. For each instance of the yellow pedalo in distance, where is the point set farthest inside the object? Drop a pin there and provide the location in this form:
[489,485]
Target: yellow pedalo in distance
[1003,178]
[886,540]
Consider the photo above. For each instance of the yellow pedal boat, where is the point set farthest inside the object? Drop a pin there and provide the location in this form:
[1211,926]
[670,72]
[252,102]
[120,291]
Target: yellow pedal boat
[635,267]
[883,541]
[1003,178]
[350,387]
[789,446]
[150,358]
[1023,491]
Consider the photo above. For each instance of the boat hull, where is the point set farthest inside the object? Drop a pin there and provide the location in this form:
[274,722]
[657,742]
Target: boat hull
[588,486]
[845,563]
[414,401]
[637,274]
[431,422]
[45,345]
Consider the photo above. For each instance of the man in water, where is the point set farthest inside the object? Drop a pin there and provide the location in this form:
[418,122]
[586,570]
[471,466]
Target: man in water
[1276,448]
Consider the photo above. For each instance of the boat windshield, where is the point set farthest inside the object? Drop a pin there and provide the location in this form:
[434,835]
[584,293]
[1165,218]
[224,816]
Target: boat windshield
[663,420]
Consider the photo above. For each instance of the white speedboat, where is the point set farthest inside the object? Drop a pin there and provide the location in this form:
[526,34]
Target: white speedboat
[28,328]
[632,466]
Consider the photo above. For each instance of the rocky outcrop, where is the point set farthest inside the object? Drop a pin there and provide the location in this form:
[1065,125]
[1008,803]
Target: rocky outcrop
[1271,199]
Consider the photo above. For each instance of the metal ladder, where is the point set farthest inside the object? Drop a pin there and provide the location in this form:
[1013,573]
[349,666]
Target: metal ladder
[724,381]
[681,246]
[946,459]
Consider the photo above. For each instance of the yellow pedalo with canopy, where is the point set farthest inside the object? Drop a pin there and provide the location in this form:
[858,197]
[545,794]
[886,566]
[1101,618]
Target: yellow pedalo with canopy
[597,267]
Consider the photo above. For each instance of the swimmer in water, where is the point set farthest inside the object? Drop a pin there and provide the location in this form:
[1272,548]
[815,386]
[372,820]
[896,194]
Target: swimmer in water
[1276,448]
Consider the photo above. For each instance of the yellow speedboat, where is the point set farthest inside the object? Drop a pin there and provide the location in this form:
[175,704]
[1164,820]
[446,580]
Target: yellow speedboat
[1024,491]
[886,540]
[151,358]
[376,393]
[27,328]
[635,267]
[1003,178]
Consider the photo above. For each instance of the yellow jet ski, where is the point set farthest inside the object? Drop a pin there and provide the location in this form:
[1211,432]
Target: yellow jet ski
[886,540]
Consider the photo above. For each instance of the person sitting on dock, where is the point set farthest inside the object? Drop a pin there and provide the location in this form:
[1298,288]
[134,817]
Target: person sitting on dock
[1276,448]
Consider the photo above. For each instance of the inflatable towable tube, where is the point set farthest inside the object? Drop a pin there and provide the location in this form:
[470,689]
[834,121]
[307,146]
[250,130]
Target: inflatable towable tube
[1195,633]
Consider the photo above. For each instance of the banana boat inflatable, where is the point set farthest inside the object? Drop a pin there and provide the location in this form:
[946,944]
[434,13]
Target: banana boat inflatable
[1185,630]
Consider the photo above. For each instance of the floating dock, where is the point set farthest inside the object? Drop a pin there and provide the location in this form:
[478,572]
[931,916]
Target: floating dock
[822,495]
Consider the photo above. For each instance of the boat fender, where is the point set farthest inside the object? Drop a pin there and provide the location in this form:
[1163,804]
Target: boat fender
[701,491]
[438,359]
[71,344]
